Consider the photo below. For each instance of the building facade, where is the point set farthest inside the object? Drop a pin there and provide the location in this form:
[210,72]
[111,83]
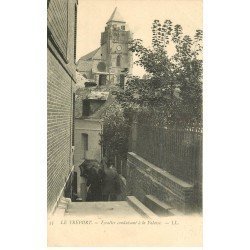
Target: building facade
[87,140]
[112,61]
[90,107]
[61,54]
[103,69]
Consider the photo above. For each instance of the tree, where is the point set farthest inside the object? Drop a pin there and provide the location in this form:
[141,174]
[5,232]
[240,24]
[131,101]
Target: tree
[173,90]
[115,132]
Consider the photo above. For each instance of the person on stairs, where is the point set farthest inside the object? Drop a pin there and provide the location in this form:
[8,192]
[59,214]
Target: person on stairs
[94,184]
[110,183]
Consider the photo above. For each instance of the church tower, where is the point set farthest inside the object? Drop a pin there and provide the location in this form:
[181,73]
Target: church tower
[114,49]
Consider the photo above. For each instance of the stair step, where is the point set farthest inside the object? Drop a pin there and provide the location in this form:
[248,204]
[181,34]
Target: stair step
[62,206]
[158,207]
[175,212]
[60,212]
[140,208]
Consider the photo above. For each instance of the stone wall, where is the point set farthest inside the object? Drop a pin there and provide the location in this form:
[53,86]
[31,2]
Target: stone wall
[60,81]
[59,106]
[61,17]
[145,178]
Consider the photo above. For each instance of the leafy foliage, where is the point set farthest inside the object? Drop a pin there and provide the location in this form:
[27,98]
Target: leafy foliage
[173,90]
[115,132]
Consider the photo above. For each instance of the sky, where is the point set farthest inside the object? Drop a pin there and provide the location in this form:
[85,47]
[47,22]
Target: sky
[139,15]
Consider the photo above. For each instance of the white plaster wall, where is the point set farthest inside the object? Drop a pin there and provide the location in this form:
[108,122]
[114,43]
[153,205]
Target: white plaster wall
[93,128]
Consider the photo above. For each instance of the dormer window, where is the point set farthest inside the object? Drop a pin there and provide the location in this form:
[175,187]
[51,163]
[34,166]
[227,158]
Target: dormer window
[123,27]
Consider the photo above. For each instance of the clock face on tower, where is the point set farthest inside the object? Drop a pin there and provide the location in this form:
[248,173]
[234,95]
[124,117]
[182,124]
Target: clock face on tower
[119,47]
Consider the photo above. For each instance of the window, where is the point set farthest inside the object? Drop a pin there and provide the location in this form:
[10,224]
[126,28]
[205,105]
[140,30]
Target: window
[123,27]
[85,142]
[118,61]
[102,80]
[85,107]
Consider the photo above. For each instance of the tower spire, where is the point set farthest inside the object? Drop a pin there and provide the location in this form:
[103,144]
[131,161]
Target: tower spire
[116,17]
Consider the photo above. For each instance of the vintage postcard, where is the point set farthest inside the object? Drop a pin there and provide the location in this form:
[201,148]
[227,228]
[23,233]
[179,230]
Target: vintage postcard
[124,122]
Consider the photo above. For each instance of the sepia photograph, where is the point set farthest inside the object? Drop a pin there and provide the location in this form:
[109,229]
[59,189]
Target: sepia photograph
[124,122]
[130,130]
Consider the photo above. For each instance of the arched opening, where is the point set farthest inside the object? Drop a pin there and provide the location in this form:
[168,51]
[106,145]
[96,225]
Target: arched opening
[118,61]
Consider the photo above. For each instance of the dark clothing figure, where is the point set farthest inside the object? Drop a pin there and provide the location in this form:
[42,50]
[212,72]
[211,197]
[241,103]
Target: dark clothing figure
[94,183]
[92,172]
[110,185]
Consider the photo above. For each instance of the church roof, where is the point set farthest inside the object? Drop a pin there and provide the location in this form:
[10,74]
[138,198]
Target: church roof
[90,55]
[84,66]
[85,63]
[116,17]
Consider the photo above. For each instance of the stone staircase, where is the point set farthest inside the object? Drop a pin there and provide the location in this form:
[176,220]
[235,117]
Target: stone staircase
[150,208]
[159,190]
[140,208]
[157,206]
[132,207]
[62,207]
[160,208]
